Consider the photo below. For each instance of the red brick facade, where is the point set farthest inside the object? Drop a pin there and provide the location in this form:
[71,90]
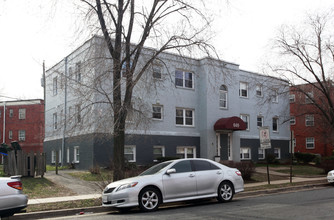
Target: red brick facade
[24,122]
[311,131]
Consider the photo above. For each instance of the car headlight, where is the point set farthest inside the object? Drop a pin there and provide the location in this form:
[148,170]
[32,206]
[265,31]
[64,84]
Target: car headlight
[127,185]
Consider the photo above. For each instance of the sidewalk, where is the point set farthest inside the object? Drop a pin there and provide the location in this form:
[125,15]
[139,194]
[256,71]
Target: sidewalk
[87,190]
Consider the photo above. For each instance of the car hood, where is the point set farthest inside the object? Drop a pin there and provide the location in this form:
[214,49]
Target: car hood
[129,180]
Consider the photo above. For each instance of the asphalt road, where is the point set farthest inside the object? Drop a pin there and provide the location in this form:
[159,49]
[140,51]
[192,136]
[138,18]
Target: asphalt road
[312,204]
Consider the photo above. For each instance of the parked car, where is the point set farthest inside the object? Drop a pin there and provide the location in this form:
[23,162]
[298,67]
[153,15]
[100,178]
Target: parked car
[330,176]
[12,200]
[173,181]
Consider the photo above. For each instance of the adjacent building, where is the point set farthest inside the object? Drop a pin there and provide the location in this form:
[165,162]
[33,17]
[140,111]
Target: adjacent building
[182,107]
[23,121]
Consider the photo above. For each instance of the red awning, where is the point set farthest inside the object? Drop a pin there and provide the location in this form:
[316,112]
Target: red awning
[231,123]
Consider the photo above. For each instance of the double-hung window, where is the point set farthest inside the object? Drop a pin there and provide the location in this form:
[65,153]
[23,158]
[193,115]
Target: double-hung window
[292,98]
[157,112]
[259,90]
[223,97]
[55,121]
[78,71]
[277,152]
[309,120]
[310,143]
[243,89]
[275,124]
[261,154]
[76,154]
[308,98]
[185,117]
[157,70]
[275,96]
[55,86]
[22,113]
[292,120]
[259,121]
[186,152]
[245,153]
[245,118]
[158,152]
[130,153]
[184,79]
[22,135]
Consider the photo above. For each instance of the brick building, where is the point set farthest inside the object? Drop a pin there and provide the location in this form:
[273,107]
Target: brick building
[23,121]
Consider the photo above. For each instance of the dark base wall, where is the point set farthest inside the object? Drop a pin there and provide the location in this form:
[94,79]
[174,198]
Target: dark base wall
[254,144]
[98,149]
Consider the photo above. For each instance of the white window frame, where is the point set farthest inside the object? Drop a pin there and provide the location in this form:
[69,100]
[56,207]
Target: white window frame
[185,151]
[55,85]
[157,70]
[309,120]
[22,113]
[243,87]
[59,156]
[184,79]
[184,117]
[67,155]
[10,134]
[307,99]
[277,122]
[11,113]
[53,156]
[244,151]
[292,98]
[263,154]
[275,96]
[22,135]
[257,121]
[155,107]
[292,120]
[133,152]
[246,119]
[162,151]
[310,140]
[223,97]
[277,152]
[76,154]
[259,90]
[55,121]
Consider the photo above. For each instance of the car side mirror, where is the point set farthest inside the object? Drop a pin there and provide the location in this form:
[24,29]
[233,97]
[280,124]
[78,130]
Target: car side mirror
[170,171]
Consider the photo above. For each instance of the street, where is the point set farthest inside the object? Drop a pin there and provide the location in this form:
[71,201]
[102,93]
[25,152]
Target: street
[312,204]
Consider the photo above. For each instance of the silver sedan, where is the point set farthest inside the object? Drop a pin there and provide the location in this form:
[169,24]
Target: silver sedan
[173,181]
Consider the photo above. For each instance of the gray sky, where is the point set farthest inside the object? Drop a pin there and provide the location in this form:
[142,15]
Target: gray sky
[36,30]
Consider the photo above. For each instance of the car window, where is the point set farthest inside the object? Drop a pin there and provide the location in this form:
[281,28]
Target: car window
[183,166]
[204,165]
[155,169]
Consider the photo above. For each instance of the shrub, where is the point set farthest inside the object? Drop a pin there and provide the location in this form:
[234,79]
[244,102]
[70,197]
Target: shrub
[327,165]
[95,170]
[304,157]
[246,168]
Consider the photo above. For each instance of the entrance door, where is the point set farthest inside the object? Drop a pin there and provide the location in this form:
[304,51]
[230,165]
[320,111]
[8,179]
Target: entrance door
[229,146]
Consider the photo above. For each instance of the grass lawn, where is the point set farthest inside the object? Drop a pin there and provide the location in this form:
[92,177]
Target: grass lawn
[302,170]
[105,175]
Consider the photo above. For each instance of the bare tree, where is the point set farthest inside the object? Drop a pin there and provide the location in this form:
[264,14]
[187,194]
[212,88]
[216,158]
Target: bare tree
[128,27]
[306,60]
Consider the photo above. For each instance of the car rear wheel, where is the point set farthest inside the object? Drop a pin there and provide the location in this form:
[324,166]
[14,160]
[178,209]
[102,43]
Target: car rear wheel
[149,199]
[225,192]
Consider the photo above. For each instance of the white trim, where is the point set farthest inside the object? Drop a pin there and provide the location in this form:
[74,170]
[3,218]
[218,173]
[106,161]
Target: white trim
[133,148]
[76,154]
[162,151]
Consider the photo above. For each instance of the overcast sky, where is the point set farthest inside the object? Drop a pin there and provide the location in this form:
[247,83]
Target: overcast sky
[36,30]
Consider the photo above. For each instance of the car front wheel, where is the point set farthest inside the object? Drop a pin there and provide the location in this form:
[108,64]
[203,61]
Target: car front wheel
[149,199]
[225,192]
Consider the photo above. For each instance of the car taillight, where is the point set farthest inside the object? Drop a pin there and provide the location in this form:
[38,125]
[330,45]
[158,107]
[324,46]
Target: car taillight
[238,173]
[15,185]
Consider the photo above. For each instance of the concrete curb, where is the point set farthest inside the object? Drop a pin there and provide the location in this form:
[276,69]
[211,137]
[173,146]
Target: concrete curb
[100,209]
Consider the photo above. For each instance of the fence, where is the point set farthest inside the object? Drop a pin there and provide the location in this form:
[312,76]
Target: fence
[25,164]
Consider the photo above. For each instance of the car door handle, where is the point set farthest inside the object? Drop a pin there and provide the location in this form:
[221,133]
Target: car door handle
[191,175]
[219,172]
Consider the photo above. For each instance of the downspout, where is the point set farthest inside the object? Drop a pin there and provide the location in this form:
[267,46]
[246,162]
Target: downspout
[65,114]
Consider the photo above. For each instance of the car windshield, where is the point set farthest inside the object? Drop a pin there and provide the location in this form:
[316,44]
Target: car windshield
[155,169]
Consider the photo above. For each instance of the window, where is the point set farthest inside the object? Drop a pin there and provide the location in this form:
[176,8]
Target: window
[158,151]
[59,156]
[55,86]
[76,154]
[245,118]
[78,113]
[130,153]
[243,90]
[157,112]
[259,122]
[186,152]
[185,117]
[292,98]
[78,71]
[157,70]
[292,120]
[309,120]
[53,156]
[123,72]
[277,152]
[11,113]
[310,143]
[184,79]
[275,96]
[294,142]
[10,135]
[245,153]
[308,97]
[22,113]
[201,165]
[275,124]
[259,90]
[22,135]
[70,72]
[223,97]
[55,122]
[261,154]
[68,155]
[183,166]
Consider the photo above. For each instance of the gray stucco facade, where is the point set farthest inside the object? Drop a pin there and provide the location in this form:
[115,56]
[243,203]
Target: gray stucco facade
[191,95]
